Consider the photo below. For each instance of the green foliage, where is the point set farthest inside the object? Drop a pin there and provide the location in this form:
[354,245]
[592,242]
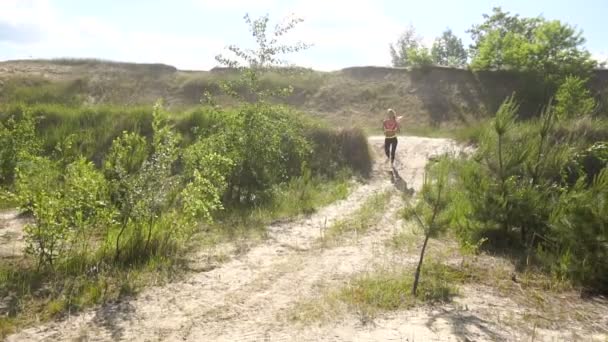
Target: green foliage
[67,207]
[547,47]
[32,91]
[430,211]
[532,179]
[579,225]
[408,44]
[307,193]
[420,57]
[574,99]
[361,220]
[18,140]
[448,50]
[587,164]
[410,52]
[390,290]
[267,56]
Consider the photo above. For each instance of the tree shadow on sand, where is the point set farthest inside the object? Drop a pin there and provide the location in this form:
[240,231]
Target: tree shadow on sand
[111,316]
[466,325]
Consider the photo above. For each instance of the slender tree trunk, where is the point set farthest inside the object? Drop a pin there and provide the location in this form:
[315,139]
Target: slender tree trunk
[500,163]
[150,225]
[417,275]
[122,229]
[501,174]
[427,235]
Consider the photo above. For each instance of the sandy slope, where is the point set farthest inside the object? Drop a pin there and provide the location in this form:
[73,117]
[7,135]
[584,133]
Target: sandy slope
[11,234]
[248,298]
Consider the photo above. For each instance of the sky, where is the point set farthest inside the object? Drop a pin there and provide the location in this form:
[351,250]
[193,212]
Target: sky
[189,34]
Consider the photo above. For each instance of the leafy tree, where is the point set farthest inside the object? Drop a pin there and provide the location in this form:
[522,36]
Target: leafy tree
[419,57]
[499,23]
[449,50]
[18,140]
[267,56]
[402,51]
[549,48]
[143,188]
[574,99]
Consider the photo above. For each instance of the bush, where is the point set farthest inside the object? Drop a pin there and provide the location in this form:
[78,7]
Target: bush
[522,180]
[67,207]
[579,225]
[335,150]
[574,99]
[18,140]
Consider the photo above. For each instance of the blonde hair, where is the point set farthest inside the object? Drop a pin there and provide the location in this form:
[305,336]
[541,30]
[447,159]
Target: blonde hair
[391,113]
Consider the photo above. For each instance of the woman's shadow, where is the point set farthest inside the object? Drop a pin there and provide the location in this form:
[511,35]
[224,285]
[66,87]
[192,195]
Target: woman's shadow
[399,183]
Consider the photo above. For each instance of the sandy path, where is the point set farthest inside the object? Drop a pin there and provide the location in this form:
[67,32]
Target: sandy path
[11,234]
[248,298]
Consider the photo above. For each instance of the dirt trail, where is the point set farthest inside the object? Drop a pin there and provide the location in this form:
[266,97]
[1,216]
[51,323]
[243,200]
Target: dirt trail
[11,234]
[248,298]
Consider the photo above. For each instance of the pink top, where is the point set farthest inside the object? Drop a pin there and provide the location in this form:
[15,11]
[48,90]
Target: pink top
[391,127]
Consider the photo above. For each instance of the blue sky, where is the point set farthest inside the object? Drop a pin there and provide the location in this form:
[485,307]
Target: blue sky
[189,33]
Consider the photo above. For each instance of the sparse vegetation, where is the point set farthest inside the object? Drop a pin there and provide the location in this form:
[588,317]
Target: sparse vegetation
[429,210]
[368,294]
[360,221]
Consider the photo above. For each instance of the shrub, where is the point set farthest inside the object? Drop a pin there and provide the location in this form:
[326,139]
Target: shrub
[67,207]
[521,180]
[579,225]
[574,99]
[18,139]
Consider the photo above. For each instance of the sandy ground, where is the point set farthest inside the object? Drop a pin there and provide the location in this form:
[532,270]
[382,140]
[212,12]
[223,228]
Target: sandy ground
[11,234]
[249,297]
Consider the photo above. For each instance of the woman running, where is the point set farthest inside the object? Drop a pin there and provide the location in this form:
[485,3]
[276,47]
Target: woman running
[391,128]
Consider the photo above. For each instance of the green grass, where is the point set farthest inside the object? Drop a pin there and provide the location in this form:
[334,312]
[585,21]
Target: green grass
[290,200]
[383,290]
[7,203]
[360,221]
[33,295]
[391,290]
[402,241]
[306,195]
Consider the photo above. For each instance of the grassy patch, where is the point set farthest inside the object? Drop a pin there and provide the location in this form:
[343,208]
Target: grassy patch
[383,290]
[391,290]
[6,203]
[360,221]
[402,241]
[305,195]
[30,295]
[246,227]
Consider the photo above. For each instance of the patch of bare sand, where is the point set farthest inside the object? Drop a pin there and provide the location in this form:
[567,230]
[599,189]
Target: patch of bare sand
[12,240]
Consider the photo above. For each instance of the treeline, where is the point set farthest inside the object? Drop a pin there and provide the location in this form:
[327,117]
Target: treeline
[502,41]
